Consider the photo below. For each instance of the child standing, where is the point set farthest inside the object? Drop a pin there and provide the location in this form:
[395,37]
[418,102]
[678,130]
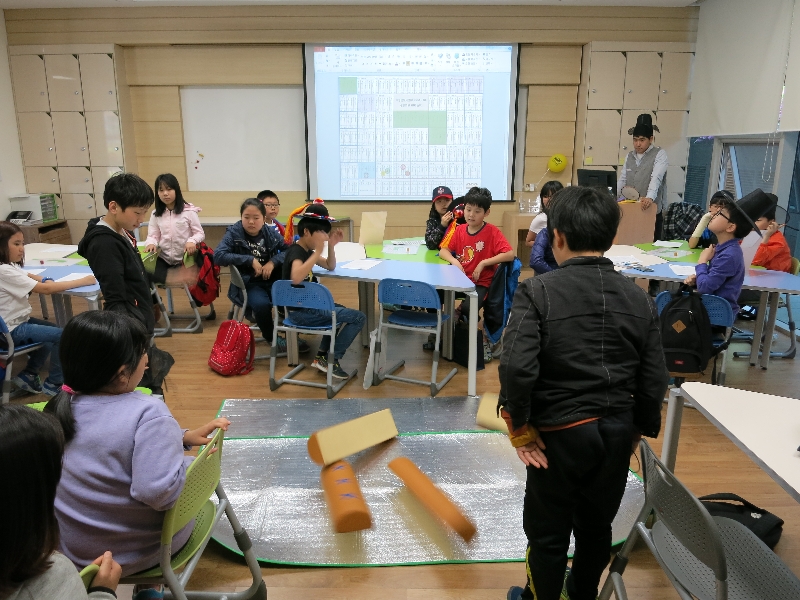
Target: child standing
[574,404]
[273,205]
[124,463]
[15,309]
[31,449]
[110,248]
[539,222]
[314,230]
[439,218]
[702,236]
[174,227]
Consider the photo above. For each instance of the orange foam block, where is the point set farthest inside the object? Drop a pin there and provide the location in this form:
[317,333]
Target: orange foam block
[348,510]
[328,445]
[432,498]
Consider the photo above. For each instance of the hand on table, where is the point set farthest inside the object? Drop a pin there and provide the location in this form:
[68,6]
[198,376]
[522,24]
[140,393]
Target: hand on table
[88,280]
[533,454]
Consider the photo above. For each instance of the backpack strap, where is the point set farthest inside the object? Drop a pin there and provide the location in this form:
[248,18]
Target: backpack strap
[732,498]
[251,353]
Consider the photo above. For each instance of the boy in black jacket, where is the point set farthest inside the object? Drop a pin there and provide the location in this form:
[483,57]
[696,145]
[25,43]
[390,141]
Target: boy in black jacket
[111,249]
[582,378]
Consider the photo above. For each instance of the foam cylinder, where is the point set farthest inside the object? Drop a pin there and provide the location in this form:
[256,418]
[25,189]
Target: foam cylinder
[328,445]
[348,510]
[432,498]
[487,414]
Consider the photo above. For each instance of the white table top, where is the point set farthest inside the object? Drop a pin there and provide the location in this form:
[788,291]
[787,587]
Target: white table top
[58,272]
[766,428]
[754,279]
[43,251]
[441,276]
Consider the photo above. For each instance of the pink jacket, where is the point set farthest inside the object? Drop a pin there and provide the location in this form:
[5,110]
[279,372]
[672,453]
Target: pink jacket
[171,231]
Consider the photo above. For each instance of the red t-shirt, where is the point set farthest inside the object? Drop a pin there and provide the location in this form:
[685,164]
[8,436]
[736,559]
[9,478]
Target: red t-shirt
[775,255]
[470,249]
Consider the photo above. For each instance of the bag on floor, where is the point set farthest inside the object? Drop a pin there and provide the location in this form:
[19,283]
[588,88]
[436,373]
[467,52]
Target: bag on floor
[234,350]
[206,290]
[764,524]
[686,332]
[461,346]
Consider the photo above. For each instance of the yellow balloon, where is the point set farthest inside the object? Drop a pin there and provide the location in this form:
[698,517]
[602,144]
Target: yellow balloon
[557,163]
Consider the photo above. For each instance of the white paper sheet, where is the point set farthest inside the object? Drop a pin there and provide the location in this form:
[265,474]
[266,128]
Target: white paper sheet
[72,277]
[682,270]
[35,271]
[666,244]
[391,249]
[407,242]
[57,262]
[623,260]
[361,265]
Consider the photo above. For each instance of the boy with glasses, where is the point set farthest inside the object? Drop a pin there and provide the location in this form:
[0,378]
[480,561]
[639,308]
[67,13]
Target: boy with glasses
[270,201]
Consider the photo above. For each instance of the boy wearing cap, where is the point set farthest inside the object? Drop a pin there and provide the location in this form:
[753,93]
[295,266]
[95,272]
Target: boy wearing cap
[314,229]
[439,218]
[645,169]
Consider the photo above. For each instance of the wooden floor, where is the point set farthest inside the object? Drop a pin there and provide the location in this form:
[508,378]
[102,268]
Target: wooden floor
[707,462]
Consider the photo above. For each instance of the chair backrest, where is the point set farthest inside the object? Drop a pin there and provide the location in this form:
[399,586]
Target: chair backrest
[682,514]
[236,278]
[202,478]
[795,266]
[302,295]
[719,310]
[408,293]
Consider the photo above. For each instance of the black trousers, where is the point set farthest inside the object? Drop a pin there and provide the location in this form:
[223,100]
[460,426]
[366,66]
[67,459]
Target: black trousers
[657,232]
[579,492]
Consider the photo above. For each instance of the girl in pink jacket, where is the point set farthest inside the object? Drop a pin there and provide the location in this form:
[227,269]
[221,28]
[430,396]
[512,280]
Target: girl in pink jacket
[174,227]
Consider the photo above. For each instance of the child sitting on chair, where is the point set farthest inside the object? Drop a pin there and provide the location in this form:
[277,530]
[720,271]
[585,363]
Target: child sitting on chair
[314,230]
[15,308]
[720,269]
[270,201]
[702,236]
[124,464]
[582,378]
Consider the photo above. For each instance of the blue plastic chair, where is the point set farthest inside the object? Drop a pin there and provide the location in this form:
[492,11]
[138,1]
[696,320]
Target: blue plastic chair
[310,295]
[417,294]
[719,313]
[8,357]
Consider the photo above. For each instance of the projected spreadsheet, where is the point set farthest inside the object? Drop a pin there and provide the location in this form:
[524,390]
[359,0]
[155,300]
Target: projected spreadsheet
[403,136]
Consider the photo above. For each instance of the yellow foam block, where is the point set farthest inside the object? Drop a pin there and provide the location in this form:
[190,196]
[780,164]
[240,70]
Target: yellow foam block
[328,445]
[432,498]
[487,414]
[348,510]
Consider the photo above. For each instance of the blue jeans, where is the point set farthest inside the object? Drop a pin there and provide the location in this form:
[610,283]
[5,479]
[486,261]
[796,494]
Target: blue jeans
[36,331]
[353,321]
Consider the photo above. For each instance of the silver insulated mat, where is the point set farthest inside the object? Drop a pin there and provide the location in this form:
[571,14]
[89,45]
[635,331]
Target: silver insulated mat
[275,489]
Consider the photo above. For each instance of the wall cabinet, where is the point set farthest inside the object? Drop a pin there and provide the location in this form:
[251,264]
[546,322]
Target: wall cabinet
[79,206]
[44,179]
[602,137]
[642,79]
[676,78]
[36,137]
[607,80]
[99,86]
[76,180]
[105,138]
[72,147]
[30,83]
[64,82]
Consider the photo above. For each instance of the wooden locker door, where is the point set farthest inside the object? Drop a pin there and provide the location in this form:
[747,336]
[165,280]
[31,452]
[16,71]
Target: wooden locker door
[601,144]
[30,83]
[36,137]
[76,180]
[642,78]
[99,85]
[672,137]
[42,180]
[63,82]
[99,177]
[78,206]
[676,75]
[105,139]
[69,129]
[606,80]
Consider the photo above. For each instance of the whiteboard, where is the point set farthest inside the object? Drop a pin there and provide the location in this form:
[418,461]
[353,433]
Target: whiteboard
[244,138]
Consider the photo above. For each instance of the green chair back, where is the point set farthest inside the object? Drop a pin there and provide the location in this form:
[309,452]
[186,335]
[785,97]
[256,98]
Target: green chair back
[202,478]
[37,406]
[795,266]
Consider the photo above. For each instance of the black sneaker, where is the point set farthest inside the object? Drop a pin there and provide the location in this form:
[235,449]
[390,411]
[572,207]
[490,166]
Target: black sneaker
[338,371]
[320,362]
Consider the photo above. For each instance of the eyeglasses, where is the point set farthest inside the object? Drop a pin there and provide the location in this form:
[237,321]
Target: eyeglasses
[272,205]
[719,214]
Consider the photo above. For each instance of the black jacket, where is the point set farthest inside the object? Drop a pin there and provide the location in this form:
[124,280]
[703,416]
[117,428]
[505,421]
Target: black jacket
[582,341]
[119,271]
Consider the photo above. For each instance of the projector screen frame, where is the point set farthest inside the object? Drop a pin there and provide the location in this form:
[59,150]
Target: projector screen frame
[309,99]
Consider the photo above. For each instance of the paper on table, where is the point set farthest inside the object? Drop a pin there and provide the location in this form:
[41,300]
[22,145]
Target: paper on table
[34,271]
[407,242]
[669,253]
[361,265]
[623,260]
[58,262]
[72,277]
[666,244]
[392,249]
[682,270]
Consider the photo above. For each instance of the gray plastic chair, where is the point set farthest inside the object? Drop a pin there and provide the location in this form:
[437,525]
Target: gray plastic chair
[237,312]
[704,557]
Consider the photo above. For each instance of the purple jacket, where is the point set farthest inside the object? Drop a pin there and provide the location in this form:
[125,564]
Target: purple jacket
[123,469]
[724,274]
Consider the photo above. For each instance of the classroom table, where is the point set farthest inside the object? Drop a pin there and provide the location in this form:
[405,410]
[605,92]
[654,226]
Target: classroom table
[673,254]
[62,301]
[423,255]
[765,427]
[442,276]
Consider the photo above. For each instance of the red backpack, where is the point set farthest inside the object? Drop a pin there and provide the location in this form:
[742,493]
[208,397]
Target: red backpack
[234,350]
[206,290]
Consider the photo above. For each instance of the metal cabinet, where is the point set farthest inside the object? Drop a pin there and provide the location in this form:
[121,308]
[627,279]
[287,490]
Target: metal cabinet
[30,83]
[36,137]
[63,82]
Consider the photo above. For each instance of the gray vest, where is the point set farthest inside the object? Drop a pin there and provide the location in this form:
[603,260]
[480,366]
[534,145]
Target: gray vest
[639,177]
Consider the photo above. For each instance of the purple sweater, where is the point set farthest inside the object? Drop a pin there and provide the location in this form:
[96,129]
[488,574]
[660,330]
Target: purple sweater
[123,469]
[724,274]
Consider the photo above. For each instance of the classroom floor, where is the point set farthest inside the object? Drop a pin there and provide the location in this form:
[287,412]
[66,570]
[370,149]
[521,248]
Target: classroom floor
[707,462]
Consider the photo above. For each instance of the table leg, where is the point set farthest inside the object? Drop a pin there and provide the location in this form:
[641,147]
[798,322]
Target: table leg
[367,305]
[59,310]
[769,330]
[93,302]
[350,227]
[758,330]
[43,302]
[473,343]
[672,429]
[447,327]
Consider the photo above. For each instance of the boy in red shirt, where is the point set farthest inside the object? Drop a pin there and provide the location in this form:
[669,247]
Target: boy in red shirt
[773,253]
[477,247]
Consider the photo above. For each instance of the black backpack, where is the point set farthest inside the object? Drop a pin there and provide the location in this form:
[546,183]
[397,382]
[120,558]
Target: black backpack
[686,332]
[763,523]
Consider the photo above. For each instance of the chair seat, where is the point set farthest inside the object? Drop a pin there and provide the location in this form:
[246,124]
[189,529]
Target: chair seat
[414,318]
[289,323]
[754,571]
[19,349]
[203,523]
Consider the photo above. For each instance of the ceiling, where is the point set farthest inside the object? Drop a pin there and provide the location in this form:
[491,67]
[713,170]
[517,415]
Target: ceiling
[108,3]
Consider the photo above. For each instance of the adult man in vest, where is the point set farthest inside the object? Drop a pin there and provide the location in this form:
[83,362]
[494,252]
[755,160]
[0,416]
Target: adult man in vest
[645,169]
